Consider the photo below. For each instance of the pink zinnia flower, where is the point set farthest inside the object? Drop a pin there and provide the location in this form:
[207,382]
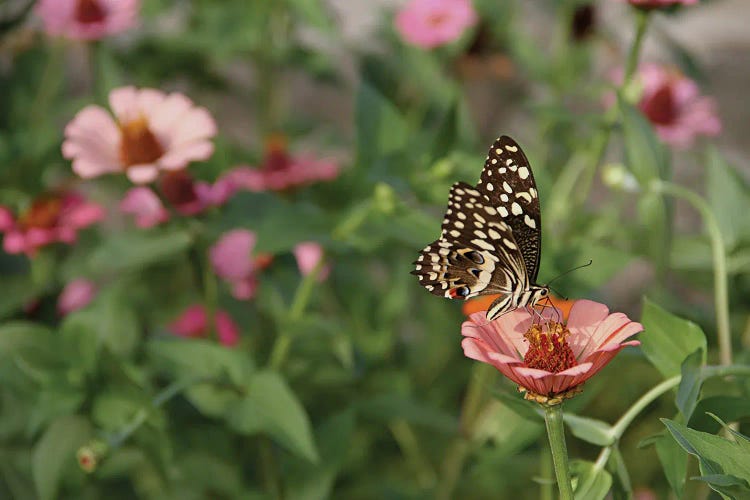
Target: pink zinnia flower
[145,205]
[308,254]
[431,23]
[193,322]
[151,131]
[76,295]
[191,197]
[657,4]
[50,219]
[674,105]
[87,19]
[549,361]
[232,261]
[280,171]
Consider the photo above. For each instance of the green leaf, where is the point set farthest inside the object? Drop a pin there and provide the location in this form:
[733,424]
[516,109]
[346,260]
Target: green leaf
[668,340]
[716,455]
[269,406]
[55,453]
[589,482]
[590,430]
[728,408]
[393,406]
[381,130]
[646,157]
[690,384]
[135,250]
[729,198]
[729,486]
[673,461]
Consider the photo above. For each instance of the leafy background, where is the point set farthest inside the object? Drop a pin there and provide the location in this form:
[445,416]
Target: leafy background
[373,398]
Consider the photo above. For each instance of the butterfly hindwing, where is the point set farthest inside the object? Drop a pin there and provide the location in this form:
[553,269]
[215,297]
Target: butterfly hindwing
[507,180]
[476,254]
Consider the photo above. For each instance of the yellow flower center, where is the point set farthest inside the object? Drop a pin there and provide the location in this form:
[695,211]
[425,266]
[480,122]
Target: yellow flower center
[89,12]
[138,145]
[548,348]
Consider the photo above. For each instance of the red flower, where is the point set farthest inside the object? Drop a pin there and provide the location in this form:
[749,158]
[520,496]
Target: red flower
[280,171]
[193,322]
[551,360]
[50,219]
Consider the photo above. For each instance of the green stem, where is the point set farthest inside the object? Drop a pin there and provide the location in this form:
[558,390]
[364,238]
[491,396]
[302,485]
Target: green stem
[409,444]
[718,250]
[545,486]
[302,297]
[641,23]
[622,471]
[49,85]
[159,400]
[458,451]
[553,417]
[269,469]
[618,429]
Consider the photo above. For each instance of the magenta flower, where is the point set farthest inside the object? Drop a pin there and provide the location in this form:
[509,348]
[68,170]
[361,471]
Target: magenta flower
[308,254]
[231,258]
[549,361]
[657,4]
[50,219]
[189,197]
[431,23]
[76,295]
[145,205]
[193,323]
[151,131]
[674,105]
[280,171]
[87,19]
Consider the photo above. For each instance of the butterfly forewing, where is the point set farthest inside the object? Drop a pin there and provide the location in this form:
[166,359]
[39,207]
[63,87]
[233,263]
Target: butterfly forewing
[490,237]
[509,183]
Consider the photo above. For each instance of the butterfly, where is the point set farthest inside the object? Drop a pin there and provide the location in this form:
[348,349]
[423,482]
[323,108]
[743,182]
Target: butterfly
[491,236]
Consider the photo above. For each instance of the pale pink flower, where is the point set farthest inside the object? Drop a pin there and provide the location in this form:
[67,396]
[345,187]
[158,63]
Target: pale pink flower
[87,19]
[657,4]
[281,171]
[431,23]
[54,218]
[190,197]
[145,205]
[549,360]
[76,295]
[193,322]
[674,105]
[232,260]
[151,131]
[308,254]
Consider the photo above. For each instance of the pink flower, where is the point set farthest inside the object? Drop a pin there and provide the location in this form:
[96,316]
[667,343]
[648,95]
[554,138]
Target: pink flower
[50,219]
[76,295]
[431,23]
[232,261]
[87,19]
[152,131]
[280,171]
[308,254]
[549,361]
[189,197]
[656,4]
[674,105]
[193,322]
[147,208]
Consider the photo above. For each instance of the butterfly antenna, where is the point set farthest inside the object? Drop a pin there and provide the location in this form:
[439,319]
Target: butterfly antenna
[558,293]
[569,271]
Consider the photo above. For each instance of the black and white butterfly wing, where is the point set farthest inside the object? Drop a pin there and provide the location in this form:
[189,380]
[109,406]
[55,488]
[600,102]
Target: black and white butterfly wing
[476,253]
[491,235]
[508,181]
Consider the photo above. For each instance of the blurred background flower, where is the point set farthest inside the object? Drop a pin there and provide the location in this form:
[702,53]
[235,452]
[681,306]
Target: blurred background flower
[431,23]
[88,19]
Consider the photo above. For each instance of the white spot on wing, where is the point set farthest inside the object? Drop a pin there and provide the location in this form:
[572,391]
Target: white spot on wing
[503,211]
[507,187]
[516,209]
[512,149]
[523,172]
[530,222]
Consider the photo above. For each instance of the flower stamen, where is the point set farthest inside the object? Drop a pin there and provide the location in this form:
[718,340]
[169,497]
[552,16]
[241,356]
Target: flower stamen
[89,12]
[138,145]
[548,348]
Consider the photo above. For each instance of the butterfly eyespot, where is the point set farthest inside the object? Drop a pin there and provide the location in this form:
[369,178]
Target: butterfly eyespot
[475,257]
[460,291]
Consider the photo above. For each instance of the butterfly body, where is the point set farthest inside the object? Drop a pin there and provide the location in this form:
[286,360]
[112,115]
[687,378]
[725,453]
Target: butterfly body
[491,236]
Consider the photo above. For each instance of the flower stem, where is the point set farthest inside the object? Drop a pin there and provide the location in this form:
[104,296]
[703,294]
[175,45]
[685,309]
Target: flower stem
[718,249]
[553,417]
[641,23]
[409,444]
[302,296]
[141,415]
[627,418]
